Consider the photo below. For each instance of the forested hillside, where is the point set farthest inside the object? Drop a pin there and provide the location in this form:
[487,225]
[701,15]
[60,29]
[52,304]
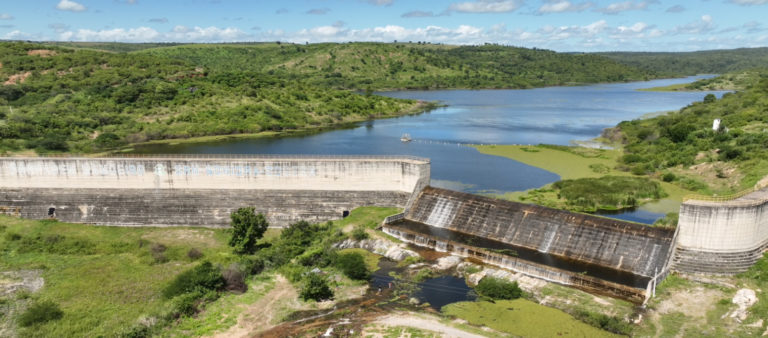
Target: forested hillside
[407,65]
[683,146]
[691,63]
[57,99]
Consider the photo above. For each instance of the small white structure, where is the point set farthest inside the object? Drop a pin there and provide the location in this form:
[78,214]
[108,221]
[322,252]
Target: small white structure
[716,125]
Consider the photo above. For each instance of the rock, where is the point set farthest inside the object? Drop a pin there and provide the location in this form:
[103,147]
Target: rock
[448,262]
[758,323]
[414,301]
[391,250]
[744,299]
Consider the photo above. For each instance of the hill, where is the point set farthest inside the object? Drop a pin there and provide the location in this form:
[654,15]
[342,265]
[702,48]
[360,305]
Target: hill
[684,147]
[81,100]
[381,66]
[692,63]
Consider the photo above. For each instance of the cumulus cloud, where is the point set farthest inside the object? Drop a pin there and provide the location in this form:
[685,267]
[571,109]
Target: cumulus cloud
[486,6]
[559,6]
[749,2]
[418,14]
[703,25]
[319,11]
[158,20]
[146,34]
[6,16]
[676,9]
[70,6]
[618,7]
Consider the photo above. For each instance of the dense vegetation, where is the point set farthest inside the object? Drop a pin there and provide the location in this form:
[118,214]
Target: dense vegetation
[497,288]
[406,65]
[607,192]
[669,145]
[691,63]
[56,99]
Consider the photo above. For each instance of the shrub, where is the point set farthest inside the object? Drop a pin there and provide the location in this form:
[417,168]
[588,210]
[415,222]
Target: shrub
[359,233]
[194,254]
[496,288]
[605,322]
[253,265]
[158,252]
[247,228]
[316,287]
[234,278]
[353,266]
[40,312]
[204,276]
[668,177]
[12,236]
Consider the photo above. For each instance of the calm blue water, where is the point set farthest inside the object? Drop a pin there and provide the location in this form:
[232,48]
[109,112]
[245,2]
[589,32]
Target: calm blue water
[556,115]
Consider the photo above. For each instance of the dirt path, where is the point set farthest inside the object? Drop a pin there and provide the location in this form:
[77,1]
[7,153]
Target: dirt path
[260,315]
[423,323]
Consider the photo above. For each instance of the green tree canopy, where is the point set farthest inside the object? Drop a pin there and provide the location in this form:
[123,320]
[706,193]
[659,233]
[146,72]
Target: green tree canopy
[247,228]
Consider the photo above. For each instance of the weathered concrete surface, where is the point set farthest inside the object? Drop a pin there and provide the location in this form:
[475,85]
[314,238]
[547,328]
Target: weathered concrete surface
[722,237]
[597,254]
[166,190]
[611,243]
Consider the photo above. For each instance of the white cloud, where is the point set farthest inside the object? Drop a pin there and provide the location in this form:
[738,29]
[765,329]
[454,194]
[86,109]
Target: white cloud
[749,2]
[71,6]
[6,16]
[558,6]
[486,6]
[705,24]
[146,34]
[618,7]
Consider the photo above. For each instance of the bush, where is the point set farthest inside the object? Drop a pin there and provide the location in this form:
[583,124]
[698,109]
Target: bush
[668,177]
[496,288]
[204,276]
[359,233]
[158,252]
[234,278]
[353,266]
[253,265]
[194,254]
[605,322]
[40,312]
[316,287]
[247,228]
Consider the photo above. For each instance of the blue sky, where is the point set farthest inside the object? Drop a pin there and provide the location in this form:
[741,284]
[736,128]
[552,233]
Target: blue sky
[561,25]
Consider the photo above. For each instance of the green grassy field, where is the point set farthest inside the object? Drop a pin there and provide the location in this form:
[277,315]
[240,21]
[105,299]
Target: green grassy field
[524,318]
[576,162]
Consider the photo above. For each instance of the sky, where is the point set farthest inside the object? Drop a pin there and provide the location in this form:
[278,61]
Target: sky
[560,25]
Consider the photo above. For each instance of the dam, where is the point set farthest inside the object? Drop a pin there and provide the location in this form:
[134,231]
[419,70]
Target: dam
[601,255]
[166,190]
[596,254]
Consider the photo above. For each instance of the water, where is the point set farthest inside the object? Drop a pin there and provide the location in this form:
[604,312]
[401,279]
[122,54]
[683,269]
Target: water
[556,115]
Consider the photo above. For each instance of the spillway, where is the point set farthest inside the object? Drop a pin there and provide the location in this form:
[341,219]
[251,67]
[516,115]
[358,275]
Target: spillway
[593,253]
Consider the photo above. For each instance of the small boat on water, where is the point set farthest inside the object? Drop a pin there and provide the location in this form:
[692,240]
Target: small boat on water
[406,137]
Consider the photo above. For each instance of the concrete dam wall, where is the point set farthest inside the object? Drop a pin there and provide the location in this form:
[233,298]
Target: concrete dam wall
[722,237]
[177,190]
[594,253]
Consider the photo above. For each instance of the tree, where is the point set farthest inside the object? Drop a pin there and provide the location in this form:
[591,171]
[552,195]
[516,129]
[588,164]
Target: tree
[497,288]
[316,287]
[247,228]
[353,266]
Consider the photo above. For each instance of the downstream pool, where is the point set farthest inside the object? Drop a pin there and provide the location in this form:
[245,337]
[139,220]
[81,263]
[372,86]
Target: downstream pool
[555,115]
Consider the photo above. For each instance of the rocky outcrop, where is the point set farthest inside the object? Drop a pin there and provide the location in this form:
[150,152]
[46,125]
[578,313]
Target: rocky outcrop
[389,249]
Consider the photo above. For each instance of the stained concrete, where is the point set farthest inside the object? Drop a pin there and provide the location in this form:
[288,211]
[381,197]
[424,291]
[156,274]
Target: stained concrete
[166,190]
[722,237]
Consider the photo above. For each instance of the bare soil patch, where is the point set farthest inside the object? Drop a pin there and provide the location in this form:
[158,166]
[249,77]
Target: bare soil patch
[17,78]
[41,52]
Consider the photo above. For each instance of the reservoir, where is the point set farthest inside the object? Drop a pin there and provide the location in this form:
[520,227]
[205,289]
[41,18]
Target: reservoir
[553,115]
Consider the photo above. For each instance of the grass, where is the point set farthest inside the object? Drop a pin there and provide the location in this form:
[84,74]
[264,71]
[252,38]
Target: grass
[521,317]
[575,163]
[113,282]
[371,259]
[670,88]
